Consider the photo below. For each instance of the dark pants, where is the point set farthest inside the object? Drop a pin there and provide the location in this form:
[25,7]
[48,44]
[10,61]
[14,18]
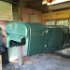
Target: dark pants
[4,54]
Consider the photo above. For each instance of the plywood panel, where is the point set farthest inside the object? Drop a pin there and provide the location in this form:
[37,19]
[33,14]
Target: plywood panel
[57,15]
[6,11]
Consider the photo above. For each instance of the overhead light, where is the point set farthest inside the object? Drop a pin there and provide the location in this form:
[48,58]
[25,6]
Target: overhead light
[47,1]
[56,2]
[44,2]
[53,2]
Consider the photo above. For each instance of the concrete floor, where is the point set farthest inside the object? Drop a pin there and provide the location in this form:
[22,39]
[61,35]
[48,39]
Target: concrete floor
[42,62]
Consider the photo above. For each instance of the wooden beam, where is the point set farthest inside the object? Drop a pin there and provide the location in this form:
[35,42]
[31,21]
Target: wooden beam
[63,14]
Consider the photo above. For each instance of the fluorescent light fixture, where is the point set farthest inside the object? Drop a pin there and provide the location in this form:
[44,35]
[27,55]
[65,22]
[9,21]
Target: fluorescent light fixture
[57,1]
[44,2]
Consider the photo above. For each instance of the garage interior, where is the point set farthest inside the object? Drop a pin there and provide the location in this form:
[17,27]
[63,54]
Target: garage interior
[34,34]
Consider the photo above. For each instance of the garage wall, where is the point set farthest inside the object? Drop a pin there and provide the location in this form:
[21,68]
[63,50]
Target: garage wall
[30,15]
[58,15]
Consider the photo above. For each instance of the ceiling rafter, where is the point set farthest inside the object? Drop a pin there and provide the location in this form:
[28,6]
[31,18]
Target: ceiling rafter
[36,4]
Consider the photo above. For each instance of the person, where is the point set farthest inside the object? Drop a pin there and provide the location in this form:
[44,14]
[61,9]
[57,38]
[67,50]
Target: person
[3,49]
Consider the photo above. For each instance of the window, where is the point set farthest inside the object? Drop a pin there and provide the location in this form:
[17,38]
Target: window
[50,22]
[63,22]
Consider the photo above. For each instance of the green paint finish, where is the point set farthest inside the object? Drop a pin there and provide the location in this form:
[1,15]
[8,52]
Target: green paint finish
[55,38]
[36,38]
[32,32]
[16,31]
[39,37]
